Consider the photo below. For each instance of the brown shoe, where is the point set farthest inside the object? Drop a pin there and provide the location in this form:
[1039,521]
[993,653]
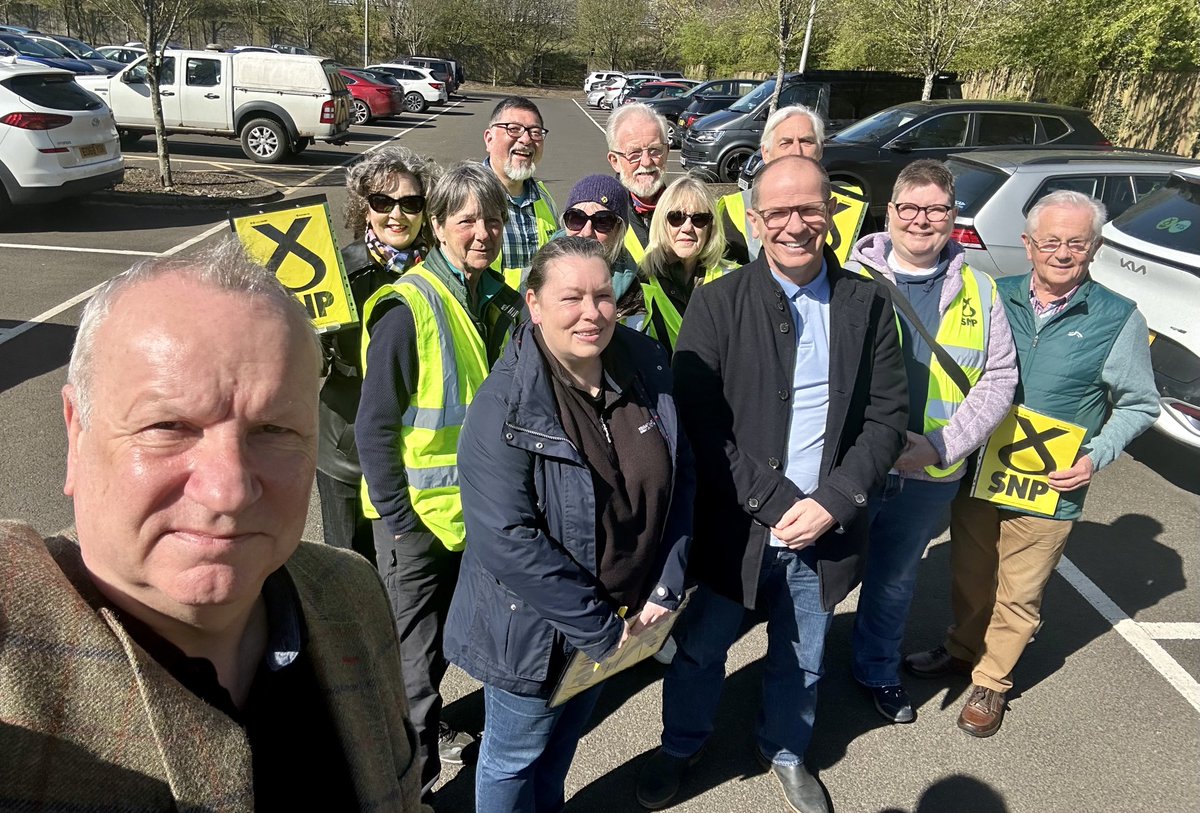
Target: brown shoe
[935,663]
[983,712]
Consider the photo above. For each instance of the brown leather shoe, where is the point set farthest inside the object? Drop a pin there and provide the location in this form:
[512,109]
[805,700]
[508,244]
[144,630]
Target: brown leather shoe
[983,712]
[935,663]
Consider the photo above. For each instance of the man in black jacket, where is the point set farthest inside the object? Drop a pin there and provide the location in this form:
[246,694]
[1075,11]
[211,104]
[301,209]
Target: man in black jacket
[792,389]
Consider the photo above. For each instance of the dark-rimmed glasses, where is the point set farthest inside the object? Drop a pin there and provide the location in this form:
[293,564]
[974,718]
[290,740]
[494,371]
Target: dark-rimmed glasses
[813,214]
[603,221]
[383,204]
[934,214]
[701,220]
[516,130]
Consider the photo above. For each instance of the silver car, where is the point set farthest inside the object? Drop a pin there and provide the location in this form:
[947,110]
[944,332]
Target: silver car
[1151,254]
[995,188]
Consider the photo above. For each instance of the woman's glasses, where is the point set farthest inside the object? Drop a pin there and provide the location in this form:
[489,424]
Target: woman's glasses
[409,204]
[603,221]
[701,220]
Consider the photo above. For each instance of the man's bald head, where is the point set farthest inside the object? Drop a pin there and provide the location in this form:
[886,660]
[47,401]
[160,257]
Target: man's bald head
[794,167]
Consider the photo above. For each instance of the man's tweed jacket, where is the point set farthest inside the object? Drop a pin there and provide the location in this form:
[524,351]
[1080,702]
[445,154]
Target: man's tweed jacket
[89,721]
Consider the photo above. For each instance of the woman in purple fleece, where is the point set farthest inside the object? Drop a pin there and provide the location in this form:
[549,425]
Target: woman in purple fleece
[958,307]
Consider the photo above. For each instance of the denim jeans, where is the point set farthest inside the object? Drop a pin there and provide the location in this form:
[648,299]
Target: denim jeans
[903,520]
[527,750]
[789,588]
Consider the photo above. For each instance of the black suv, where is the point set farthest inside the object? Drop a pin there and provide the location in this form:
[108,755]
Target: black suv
[871,153]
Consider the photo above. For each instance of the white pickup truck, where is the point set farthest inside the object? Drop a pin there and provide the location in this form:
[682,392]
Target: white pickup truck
[276,104]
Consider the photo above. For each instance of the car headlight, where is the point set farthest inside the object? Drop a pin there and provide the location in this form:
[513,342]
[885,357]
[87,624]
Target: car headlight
[703,136]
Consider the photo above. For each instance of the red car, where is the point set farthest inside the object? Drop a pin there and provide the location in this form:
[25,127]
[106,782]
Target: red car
[373,97]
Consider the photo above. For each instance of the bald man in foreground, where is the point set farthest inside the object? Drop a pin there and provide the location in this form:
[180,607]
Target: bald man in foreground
[181,648]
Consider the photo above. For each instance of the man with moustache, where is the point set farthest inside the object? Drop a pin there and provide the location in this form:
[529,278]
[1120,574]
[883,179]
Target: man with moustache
[637,151]
[514,138]
[792,389]
[181,648]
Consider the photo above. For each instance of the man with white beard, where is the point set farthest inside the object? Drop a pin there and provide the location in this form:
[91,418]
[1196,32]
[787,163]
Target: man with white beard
[514,139]
[637,151]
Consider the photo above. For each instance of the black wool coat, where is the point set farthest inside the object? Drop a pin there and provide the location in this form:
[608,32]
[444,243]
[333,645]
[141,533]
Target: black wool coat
[733,365]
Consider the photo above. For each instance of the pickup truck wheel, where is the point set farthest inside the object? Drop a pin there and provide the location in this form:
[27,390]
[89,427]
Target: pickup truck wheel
[265,141]
[731,165]
[362,113]
[414,102]
[129,137]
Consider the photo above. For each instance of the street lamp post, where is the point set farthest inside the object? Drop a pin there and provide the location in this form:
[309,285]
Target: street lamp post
[366,20]
[812,13]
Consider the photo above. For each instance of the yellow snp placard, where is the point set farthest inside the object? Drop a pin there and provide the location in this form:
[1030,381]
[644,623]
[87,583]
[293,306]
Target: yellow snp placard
[294,240]
[1024,449]
[849,212]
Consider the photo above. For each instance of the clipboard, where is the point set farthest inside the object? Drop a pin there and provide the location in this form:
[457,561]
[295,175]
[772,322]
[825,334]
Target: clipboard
[582,673]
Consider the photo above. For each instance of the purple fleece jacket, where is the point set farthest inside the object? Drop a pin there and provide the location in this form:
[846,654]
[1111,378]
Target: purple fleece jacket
[989,400]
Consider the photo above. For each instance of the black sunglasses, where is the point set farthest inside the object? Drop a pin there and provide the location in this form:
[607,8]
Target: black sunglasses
[700,220]
[409,204]
[602,221]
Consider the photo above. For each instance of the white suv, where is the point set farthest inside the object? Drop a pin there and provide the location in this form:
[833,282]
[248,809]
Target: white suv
[57,140]
[421,89]
[598,79]
[1151,254]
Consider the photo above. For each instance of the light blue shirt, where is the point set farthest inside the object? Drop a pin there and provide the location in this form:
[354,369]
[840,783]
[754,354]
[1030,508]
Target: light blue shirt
[809,305]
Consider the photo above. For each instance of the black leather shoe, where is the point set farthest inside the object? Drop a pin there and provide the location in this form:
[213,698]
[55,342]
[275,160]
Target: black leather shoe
[893,703]
[801,790]
[935,663]
[451,744]
[659,780]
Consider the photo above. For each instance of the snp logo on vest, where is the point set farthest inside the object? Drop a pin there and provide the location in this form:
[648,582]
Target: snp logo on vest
[968,313]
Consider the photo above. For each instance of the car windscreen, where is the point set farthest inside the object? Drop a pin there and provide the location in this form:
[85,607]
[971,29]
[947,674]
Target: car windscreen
[1169,217]
[82,48]
[754,98]
[875,126]
[56,92]
[974,185]
[28,47]
[55,48]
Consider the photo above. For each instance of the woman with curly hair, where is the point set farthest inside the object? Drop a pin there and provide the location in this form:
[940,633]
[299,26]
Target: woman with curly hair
[385,211]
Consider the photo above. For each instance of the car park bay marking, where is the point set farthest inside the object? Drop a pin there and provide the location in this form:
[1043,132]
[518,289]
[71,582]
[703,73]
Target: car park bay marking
[589,115]
[14,332]
[1172,630]
[1137,635]
[36,247]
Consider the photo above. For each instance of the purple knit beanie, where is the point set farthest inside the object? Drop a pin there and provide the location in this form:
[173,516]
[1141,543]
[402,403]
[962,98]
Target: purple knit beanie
[603,189]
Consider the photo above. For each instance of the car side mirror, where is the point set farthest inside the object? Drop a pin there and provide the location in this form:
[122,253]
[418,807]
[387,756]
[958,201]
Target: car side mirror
[902,145]
[133,78]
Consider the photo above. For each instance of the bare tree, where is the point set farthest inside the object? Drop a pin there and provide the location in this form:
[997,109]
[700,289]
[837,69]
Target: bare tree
[611,27]
[786,18]
[930,33]
[158,20]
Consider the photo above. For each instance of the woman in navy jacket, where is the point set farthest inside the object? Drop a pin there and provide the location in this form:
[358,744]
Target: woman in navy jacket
[577,488]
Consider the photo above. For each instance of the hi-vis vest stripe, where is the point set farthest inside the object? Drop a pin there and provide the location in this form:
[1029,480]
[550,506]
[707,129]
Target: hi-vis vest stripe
[634,246]
[662,319]
[452,365]
[546,227]
[964,333]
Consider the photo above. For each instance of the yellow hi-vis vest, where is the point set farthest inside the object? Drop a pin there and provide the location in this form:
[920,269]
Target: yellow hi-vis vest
[845,224]
[452,365]
[634,246]
[964,333]
[662,319]
[547,225]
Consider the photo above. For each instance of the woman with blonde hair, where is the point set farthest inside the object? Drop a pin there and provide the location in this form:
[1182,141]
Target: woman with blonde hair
[686,244]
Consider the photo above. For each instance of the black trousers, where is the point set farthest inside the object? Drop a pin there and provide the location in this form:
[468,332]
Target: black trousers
[342,519]
[420,575]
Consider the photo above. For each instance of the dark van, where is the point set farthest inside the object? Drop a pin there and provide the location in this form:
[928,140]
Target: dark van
[719,144]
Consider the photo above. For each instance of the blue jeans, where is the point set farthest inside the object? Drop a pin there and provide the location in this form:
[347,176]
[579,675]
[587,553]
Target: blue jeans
[527,750]
[903,520]
[788,586]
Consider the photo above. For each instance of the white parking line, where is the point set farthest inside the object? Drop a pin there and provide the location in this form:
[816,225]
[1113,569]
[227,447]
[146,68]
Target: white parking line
[583,110]
[1171,630]
[1134,633]
[81,250]
[14,332]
